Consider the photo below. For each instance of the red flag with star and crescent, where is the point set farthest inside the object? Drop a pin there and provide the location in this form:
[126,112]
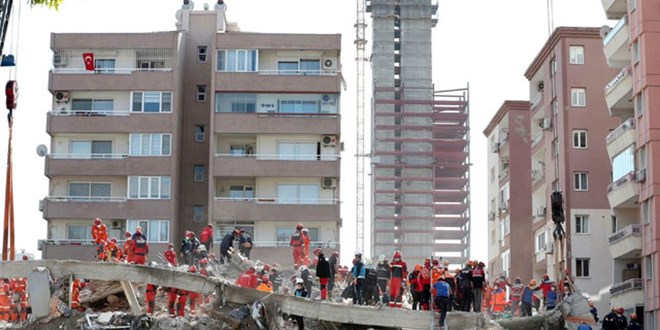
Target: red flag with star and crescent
[88,58]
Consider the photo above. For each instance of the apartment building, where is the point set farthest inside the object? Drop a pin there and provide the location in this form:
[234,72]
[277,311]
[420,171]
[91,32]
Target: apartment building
[510,213]
[633,92]
[206,124]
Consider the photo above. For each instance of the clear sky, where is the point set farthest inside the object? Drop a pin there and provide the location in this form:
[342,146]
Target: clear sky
[485,43]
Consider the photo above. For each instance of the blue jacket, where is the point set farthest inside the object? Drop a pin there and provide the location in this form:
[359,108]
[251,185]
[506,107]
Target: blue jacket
[441,289]
[584,326]
[527,294]
[358,270]
[551,298]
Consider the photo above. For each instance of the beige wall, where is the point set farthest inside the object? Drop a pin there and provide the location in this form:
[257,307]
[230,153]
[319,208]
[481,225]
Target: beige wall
[121,100]
[59,186]
[265,231]
[62,142]
[267,187]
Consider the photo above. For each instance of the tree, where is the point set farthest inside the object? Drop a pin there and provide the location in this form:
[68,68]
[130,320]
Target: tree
[50,3]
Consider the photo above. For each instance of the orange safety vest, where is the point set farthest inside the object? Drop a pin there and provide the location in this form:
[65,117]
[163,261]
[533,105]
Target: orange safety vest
[265,287]
[99,233]
[296,238]
[128,250]
[499,298]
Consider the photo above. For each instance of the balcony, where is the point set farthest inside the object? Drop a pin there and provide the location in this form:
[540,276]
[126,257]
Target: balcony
[627,294]
[623,192]
[537,176]
[273,209]
[535,103]
[621,137]
[74,207]
[537,138]
[277,81]
[118,79]
[273,165]
[627,242]
[276,123]
[115,121]
[615,45]
[106,164]
[614,9]
[618,95]
[504,174]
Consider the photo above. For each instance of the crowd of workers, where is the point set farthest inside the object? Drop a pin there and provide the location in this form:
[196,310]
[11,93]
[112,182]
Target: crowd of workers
[14,306]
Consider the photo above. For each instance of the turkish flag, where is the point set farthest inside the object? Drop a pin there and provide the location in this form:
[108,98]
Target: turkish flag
[88,58]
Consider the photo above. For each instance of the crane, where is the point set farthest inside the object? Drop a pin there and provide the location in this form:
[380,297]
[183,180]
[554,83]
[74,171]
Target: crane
[360,45]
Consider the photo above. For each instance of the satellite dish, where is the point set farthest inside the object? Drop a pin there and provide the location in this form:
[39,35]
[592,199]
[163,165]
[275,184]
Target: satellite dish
[42,150]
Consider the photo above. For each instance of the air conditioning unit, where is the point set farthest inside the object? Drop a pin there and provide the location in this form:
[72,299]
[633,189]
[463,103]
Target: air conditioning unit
[329,140]
[116,224]
[546,124]
[640,176]
[329,183]
[329,63]
[61,96]
[540,211]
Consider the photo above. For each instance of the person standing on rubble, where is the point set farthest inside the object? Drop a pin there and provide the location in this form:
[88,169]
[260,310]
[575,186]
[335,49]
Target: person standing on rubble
[322,272]
[332,262]
[546,284]
[128,252]
[526,298]
[100,236]
[113,251]
[226,244]
[358,274]
[441,299]
[275,279]
[415,288]
[297,243]
[424,280]
[170,255]
[140,248]
[244,243]
[451,280]
[302,293]
[398,275]
[186,248]
[150,297]
[383,274]
[248,279]
[206,237]
[307,278]
[478,279]
[465,286]
[193,296]
[194,245]
[265,284]
[308,242]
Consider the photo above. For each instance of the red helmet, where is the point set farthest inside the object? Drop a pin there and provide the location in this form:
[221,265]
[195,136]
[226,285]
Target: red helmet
[266,267]
[192,269]
[203,261]
[299,226]
[97,221]
[264,278]
[436,262]
[170,245]
[546,277]
[113,240]
[210,226]
[189,233]
[317,251]
[128,234]
[397,255]
[25,257]
[335,254]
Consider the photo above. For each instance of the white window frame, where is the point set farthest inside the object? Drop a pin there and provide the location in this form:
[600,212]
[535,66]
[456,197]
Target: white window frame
[580,267]
[582,224]
[201,93]
[147,225]
[90,197]
[146,144]
[576,54]
[299,194]
[245,53]
[505,261]
[247,191]
[157,187]
[87,231]
[540,242]
[197,175]
[649,266]
[581,181]
[578,136]
[578,97]
[143,94]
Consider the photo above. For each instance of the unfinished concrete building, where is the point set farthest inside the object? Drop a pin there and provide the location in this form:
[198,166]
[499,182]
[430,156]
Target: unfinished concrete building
[420,146]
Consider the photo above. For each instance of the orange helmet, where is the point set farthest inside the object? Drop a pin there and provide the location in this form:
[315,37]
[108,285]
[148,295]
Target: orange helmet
[299,226]
[418,267]
[532,282]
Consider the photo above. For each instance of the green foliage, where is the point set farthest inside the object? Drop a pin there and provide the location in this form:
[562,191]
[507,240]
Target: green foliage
[50,3]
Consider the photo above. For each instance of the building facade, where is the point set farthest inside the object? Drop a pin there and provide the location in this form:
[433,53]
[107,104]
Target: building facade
[632,95]
[172,131]
[510,213]
[568,154]
[419,141]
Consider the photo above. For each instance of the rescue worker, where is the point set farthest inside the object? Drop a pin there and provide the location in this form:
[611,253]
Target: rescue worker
[584,326]
[593,310]
[140,249]
[424,280]
[265,284]
[170,255]
[465,285]
[399,272]
[333,263]
[383,274]
[634,323]
[203,267]
[194,246]
[19,288]
[248,279]
[194,296]
[358,273]
[244,243]
[609,321]
[307,278]
[307,241]
[442,291]
[526,298]
[498,301]
[181,302]
[206,237]
[113,252]
[172,295]
[185,249]
[515,295]
[128,252]
[488,292]
[415,287]
[451,280]
[5,300]
[100,236]
[297,243]
[226,244]
[551,298]
[322,272]
[302,293]
[478,279]
[546,284]
[150,296]
[621,320]
[75,294]
[275,279]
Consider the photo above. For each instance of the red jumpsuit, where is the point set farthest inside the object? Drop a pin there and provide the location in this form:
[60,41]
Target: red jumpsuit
[20,287]
[248,279]
[5,300]
[307,241]
[424,280]
[140,249]
[151,298]
[75,292]
[170,256]
[172,294]
[100,237]
[399,271]
[181,303]
[128,250]
[297,242]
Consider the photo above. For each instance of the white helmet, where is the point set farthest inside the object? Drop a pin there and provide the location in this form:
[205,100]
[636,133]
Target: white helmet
[299,281]
[381,258]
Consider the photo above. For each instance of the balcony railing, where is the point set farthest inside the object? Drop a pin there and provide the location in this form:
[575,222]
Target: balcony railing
[615,30]
[296,157]
[536,100]
[537,138]
[299,72]
[42,242]
[630,177]
[88,156]
[537,175]
[89,112]
[313,244]
[108,70]
[619,78]
[629,285]
[626,125]
[286,201]
[503,174]
[108,199]
[624,232]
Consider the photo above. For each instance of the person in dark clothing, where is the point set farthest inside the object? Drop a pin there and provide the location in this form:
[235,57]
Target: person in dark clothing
[227,243]
[322,272]
[300,292]
[194,245]
[370,288]
[609,321]
[527,299]
[332,261]
[307,279]
[621,320]
[465,285]
[478,279]
[186,248]
[244,243]
[358,272]
[593,310]
[383,273]
[634,324]
[275,279]
[415,287]
[442,292]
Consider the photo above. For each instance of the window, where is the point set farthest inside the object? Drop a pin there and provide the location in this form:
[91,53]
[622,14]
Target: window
[237,60]
[201,54]
[199,133]
[648,260]
[90,149]
[149,187]
[241,150]
[582,224]
[89,191]
[95,105]
[580,181]
[540,243]
[150,65]
[79,232]
[576,54]
[103,65]
[150,144]
[579,139]
[582,267]
[236,102]
[504,260]
[635,52]
[623,163]
[639,104]
[241,192]
[553,67]
[198,213]
[199,173]
[201,93]
[298,106]
[284,235]
[578,97]
[290,68]
[151,102]
[613,224]
[223,229]
[310,67]
[555,148]
[297,150]
[646,212]
[157,231]
[298,194]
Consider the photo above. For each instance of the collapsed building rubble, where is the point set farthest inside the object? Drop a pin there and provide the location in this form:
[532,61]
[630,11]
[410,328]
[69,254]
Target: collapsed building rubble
[234,307]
